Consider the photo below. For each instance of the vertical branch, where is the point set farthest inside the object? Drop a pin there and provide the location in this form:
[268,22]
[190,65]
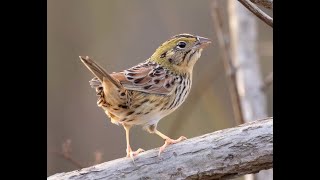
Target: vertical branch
[229,67]
[243,38]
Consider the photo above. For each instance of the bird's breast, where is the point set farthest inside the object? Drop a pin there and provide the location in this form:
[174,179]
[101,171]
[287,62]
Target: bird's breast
[150,108]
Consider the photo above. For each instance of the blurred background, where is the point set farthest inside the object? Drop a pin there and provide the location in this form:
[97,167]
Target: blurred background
[119,34]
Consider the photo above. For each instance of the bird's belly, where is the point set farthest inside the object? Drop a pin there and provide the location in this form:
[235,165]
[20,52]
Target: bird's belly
[144,109]
[148,109]
[151,113]
[147,114]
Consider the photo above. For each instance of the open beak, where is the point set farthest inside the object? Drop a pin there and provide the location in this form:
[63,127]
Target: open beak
[203,42]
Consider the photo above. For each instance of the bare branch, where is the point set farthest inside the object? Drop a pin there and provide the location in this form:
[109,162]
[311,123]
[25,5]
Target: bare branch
[65,153]
[258,12]
[265,3]
[230,69]
[223,154]
[68,158]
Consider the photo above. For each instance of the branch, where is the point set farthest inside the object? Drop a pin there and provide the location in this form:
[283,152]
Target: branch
[243,37]
[265,3]
[227,61]
[258,12]
[68,158]
[223,154]
[65,153]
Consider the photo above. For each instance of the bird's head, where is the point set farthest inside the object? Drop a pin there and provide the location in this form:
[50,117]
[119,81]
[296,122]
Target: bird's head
[180,52]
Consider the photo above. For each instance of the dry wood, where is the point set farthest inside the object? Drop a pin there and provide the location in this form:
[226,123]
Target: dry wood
[223,154]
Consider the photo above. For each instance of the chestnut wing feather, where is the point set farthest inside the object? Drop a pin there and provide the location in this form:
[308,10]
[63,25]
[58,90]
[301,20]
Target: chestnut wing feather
[146,77]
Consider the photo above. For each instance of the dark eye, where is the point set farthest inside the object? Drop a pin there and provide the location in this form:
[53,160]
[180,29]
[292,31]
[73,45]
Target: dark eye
[181,44]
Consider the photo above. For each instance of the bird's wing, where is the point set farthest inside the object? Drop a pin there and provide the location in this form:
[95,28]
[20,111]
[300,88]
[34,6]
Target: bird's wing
[147,77]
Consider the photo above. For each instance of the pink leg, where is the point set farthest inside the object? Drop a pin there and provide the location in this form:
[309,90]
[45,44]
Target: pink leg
[130,153]
[168,140]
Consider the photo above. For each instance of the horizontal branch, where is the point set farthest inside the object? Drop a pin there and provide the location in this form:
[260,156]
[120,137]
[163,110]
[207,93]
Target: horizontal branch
[223,154]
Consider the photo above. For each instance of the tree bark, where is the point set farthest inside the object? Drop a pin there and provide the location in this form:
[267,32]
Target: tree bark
[223,154]
[243,38]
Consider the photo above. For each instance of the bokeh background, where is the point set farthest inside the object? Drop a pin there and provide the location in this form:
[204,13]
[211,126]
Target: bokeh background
[119,34]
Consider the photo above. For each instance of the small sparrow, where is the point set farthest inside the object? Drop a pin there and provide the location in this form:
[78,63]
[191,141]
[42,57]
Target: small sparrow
[151,90]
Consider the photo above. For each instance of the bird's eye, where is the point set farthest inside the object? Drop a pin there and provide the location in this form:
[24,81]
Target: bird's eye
[181,44]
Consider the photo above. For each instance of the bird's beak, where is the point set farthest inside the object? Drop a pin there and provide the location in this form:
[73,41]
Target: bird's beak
[203,42]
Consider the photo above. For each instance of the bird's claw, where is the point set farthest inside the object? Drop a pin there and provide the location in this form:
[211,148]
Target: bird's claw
[170,141]
[131,154]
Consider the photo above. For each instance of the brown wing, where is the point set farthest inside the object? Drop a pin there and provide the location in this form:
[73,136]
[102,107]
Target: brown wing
[146,77]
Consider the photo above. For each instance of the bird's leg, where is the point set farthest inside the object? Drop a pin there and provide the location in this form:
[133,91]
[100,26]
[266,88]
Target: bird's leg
[168,140]
[130,153]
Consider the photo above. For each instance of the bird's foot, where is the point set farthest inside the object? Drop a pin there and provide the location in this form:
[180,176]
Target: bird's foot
[131,154]
[170,141]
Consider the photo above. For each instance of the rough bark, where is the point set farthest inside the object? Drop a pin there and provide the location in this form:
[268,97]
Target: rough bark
[223,154]
[243,38]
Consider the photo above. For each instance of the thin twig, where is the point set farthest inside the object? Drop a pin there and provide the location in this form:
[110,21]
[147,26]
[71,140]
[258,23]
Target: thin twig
[258,12]
[68,158]
[65,153]
[230,69]
[267,81]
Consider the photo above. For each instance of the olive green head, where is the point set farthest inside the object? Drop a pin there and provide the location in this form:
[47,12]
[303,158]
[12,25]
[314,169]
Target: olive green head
[180,52]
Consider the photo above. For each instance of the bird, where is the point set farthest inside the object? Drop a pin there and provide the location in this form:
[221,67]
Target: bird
[151,90]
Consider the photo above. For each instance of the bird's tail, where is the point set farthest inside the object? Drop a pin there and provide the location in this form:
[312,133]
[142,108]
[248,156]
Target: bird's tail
[109,90]
[98,71]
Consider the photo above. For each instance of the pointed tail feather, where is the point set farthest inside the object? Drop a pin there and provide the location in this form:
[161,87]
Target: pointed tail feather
[98,71]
